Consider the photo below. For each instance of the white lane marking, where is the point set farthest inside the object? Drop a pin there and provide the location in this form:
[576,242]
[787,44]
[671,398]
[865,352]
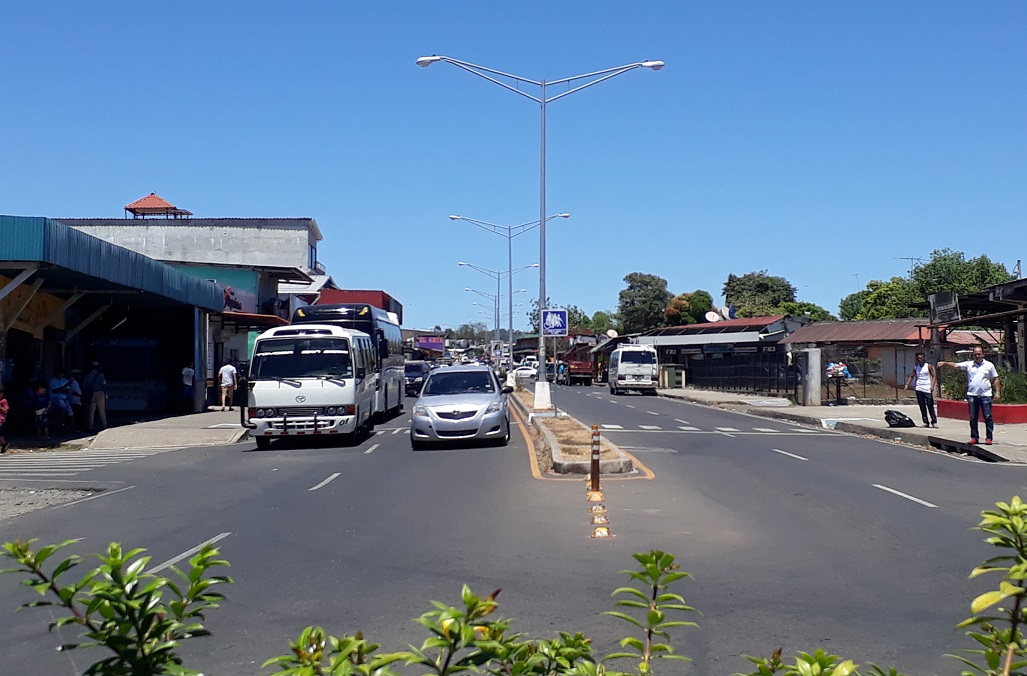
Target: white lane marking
[764,429]
[21,474]
[324,483]
[652,413]
[683,422]
[93,497]
[650,427]
[790,455]
[371,449]
[397,430]
[688,428]
[904,495]
[725,429]
[629,405]
[189,552]
[379,432]
[803,429]
[612,427]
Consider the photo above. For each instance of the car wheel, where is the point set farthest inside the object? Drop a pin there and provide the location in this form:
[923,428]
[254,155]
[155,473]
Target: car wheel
[263,443]
[505,439]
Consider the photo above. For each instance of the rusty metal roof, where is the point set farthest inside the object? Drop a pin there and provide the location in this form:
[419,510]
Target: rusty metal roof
[882,331]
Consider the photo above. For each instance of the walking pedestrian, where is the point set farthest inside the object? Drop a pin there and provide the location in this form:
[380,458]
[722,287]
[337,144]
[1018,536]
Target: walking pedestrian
[981,376]
[75,399]
[188,380]
[94,392]
[229,381]
[4,410]
[59,388]
[41,405]
[925,379]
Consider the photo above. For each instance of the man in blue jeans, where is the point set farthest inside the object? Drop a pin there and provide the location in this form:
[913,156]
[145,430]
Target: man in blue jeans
[980,375]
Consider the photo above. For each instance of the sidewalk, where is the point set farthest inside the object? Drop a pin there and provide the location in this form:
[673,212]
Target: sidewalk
[210,428]
[951,435]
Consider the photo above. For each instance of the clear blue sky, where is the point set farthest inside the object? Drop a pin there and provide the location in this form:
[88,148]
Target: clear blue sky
[815,140]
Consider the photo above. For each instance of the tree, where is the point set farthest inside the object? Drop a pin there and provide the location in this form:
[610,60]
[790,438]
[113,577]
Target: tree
[689,308]
[643,304]
[851,307]
[889,300]
[804,309]
[603,321]
[577,319]
[534,316]
[949,271]
[757,294]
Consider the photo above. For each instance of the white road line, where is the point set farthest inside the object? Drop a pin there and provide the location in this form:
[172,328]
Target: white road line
[688,428]
[683,422]
[764,429]
[650,427]
[904,495]
[397,430]
[189,552]
[652,413]
[629,405]
[612,427]
[725,429]
[24,474]
[803,429]
[324,483]
[92,497]
[379,432]
[790,455]
[371,449]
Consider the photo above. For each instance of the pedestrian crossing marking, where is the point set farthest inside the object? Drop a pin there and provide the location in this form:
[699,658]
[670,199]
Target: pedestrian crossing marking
[650,427]
[764,429]
[725,429]
[688,428]
[803,429]
[612,427]
[56,464]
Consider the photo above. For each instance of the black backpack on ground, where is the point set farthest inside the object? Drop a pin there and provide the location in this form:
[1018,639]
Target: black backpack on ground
[898,419]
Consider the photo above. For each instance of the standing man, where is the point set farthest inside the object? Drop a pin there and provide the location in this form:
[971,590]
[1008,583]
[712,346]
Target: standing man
[980,376]
[923,380]
[188,378]
[75,398]
[94,391]
[229,381]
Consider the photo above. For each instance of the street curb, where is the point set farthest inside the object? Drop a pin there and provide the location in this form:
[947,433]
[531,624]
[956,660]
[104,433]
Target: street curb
[620,465]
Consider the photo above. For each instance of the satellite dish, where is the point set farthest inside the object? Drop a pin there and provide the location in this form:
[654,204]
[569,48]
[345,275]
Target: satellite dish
[725,312]
[712,316]
[612,333]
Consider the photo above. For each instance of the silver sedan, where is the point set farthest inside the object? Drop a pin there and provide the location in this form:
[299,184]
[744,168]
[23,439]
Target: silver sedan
[461,403]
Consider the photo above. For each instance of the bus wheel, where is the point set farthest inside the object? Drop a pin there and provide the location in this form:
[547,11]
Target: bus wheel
[263,443]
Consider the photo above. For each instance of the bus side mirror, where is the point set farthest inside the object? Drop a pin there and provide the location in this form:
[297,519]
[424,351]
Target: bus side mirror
[361,373]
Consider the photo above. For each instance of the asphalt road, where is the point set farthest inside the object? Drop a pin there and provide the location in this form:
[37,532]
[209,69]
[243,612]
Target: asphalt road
[786,551]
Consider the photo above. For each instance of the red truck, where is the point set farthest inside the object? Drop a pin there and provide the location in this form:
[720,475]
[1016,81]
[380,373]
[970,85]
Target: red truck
[580,366]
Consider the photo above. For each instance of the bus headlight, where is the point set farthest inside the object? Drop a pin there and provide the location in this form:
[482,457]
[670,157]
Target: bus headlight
[331,410]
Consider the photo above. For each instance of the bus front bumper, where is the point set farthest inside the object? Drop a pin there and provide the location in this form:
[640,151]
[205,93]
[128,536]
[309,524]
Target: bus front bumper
[304,426]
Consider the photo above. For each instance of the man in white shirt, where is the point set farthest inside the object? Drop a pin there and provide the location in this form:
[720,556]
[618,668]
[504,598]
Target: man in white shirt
[923,375]
[188,378]
[980,376]
[229,381]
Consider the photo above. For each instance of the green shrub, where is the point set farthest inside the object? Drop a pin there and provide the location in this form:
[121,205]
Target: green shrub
[1013,385]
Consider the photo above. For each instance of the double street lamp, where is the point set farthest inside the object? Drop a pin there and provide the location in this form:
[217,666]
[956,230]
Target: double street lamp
[508,231]
[498,276]
[579,82]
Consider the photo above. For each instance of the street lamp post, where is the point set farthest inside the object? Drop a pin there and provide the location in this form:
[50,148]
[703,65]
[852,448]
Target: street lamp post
[508,231]
[586,80]
[498,276]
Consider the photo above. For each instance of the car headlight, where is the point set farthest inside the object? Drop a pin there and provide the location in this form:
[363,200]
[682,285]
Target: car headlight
[418,379]
[331,410]
[494,406]
[420,411]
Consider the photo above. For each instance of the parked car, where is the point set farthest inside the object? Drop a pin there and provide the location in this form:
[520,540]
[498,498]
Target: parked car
[461,403]
[414,373]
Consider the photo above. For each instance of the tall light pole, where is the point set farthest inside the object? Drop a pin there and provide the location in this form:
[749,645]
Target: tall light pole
[508,231]
[587,80]
[498,275]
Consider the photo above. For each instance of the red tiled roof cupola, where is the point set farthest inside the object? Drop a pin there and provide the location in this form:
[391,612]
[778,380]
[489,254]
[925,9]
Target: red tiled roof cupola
[155,205]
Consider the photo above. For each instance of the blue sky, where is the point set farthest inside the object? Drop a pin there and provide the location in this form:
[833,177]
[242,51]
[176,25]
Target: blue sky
[819,141]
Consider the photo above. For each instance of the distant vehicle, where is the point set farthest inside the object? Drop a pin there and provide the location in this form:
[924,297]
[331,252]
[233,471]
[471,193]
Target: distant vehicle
[528,372]
[634,367]
[579,365]
[461,403]
[387,372]
[414,373]
[310,380]
[562,376]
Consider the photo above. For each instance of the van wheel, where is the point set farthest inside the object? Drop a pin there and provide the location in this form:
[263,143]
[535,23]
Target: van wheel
[263,443]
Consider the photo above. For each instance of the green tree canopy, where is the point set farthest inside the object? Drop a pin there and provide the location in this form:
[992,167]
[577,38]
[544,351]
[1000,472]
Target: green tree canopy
[643,304]
[603,321]
[689,308]
[757,294]
[803,309]
[851,306]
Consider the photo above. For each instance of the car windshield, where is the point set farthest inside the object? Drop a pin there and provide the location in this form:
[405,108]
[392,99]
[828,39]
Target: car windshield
[301,358]
[413,369]
[639,357]
[459,382]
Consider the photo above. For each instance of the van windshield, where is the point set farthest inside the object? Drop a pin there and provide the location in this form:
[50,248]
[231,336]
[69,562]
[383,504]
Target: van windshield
[638,357]
[301,358]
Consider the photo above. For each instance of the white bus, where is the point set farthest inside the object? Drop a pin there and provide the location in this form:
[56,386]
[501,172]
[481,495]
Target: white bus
[387,373]
[634,367]
[310,380]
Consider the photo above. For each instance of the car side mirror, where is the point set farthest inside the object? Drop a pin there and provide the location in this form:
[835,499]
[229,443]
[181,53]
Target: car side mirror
[507,389]
[361,373]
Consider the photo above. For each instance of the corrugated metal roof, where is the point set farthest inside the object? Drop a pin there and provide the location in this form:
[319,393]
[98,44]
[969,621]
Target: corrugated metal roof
[724,326]
[96,264]
[880,331]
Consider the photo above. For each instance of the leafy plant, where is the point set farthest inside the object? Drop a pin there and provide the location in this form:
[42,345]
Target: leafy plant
[121,607]
[1014,387]
[657,571]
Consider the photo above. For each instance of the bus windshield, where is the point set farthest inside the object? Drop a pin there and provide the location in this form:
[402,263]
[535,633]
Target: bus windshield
[301,357]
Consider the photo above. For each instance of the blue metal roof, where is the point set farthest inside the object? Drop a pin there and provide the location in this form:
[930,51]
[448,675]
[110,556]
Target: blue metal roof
[68,257]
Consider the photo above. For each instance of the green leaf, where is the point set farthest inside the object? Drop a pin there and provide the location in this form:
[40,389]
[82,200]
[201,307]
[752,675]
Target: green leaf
[625,617]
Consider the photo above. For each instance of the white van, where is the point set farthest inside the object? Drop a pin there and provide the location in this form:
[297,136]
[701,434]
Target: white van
[310,379]
[634,367]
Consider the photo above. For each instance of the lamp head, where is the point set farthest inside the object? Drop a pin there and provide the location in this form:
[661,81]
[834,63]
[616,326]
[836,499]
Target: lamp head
[533,265]
[655,65]
[461,263]
[467,288]
[563,215]
[454,217]
[426,61]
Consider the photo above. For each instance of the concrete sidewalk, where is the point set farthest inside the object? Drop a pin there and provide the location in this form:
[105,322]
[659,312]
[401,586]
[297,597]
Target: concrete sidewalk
[951,435]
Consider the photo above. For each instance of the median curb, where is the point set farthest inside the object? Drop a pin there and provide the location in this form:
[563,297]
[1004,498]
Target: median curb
[619,465]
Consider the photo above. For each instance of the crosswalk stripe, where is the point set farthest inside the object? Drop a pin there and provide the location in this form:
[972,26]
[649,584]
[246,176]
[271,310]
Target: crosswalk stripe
[763,429]
[803,429]
[650,427]
[70,463]
[725,429]
[612,427]
[688,428]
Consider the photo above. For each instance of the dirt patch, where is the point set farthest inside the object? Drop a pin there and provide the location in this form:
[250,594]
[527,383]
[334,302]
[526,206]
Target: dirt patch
[576,440]
[15,501]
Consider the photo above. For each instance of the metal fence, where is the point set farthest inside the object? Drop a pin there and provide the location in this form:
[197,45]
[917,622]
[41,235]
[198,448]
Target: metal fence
[762,373]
